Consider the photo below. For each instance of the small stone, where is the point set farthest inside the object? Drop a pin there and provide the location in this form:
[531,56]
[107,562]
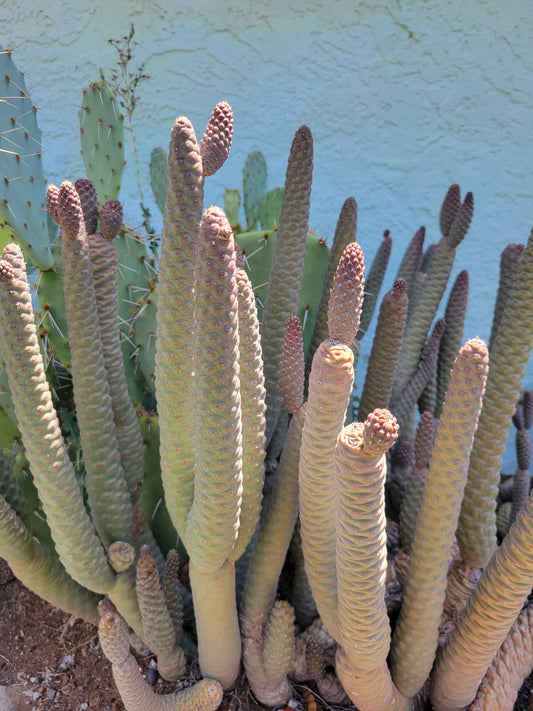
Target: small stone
[67,662]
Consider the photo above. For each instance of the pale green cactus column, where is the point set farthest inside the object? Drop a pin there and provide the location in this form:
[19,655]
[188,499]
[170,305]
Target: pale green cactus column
[416,635]
[330,388]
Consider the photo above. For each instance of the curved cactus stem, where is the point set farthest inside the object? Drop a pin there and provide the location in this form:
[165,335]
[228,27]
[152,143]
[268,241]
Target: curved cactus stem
[135,692]
[510,667]
[330,387]
[371,690]
[217,623]
[79,549]
[416,637]
[107,491]
[174,360]
[476,533]
[287,266]
[361,554]
[33,565]
[494,605]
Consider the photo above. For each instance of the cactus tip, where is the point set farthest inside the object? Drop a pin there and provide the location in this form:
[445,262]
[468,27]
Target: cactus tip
[111,219]
[215,224]
[7,272]
[380,432]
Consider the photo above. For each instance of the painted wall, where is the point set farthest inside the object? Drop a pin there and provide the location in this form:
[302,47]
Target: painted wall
[403,99]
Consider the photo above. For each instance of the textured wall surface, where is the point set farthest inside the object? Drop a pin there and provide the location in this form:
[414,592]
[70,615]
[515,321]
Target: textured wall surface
[403,99]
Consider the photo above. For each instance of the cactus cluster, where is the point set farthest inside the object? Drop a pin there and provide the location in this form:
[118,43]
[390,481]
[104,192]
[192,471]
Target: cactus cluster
[404,597]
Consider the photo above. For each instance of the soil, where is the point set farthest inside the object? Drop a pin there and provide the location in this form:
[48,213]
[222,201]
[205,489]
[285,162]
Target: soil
[49,662]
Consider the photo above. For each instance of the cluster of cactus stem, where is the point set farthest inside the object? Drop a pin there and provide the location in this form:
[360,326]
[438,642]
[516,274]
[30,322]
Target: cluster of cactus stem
[404,590]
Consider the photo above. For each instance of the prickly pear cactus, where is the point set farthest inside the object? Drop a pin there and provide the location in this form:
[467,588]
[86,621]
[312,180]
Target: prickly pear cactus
[102,140]
[254,179]
[22,208]
[158,176]
[270,209]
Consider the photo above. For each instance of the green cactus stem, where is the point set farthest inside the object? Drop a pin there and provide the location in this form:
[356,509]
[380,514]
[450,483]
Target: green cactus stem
[287,266]
[105,269]
[217,624]
[174,360]
[158,627]
[414,490]
[135,692]
[278,518]
[385,350]
[35,566]
[216,141]
[268,651]
[291,366]
[373,281]
[454,318]
[22,208]
[172,590]
[509,261]
[522,475]
[108,494]
[416,637]
[435,281]
[412,259]
[213,521]
[79,549]
[511,349]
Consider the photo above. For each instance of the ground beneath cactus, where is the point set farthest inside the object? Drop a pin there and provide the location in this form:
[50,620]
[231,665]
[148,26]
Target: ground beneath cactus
[48,665]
